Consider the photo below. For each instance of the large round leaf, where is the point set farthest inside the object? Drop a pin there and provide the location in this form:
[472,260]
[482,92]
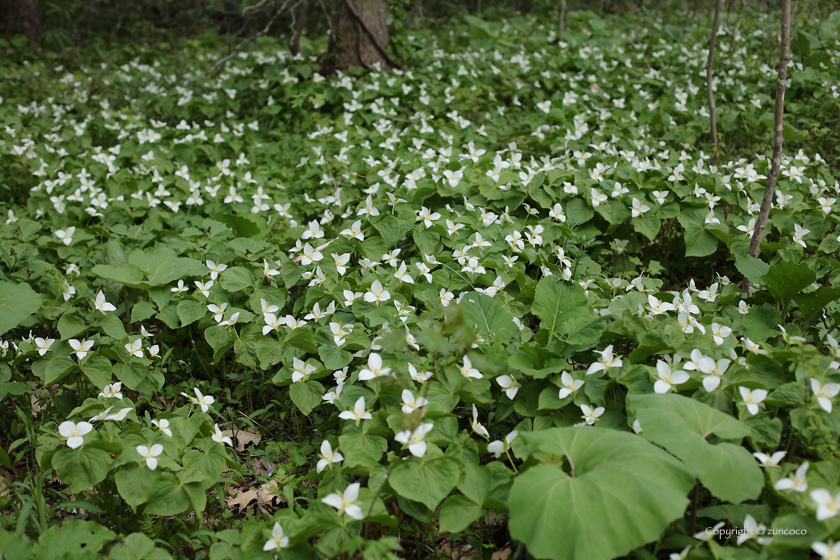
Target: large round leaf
[683,426]
[17,302]
[621,493]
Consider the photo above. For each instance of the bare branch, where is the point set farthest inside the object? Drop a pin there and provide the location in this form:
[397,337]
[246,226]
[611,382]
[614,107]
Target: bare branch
[778,133]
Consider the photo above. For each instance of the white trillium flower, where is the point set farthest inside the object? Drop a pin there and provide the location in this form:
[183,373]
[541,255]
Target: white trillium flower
[667,378]
[770,461]
[825,551]
[824,393]
[570,385]
[795,482]
[497,447]
[278,538]
[327,456]
[74,432]
[414,440]
[607,361]
[752,398]
[468,371]
[358,412]
[345,502]
[374,368]
[591,415]
[219,437]
[150,454]
[827,505]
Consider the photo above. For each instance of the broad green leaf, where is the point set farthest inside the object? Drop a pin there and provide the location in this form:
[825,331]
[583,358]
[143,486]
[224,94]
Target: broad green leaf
[619,493]
[98,370]
[812,305]
[647,224]
[71,326]
[134,483]
[138,546]
[427,480]
[785,279]
[306,395]
[392,229]
[190,311]
[488,316]
[57,368]
[683,426]
[457,513]
[752,268]
[167,497]
[554,300]
[698,241]
[72,537]
[236,279]
[17,303]
[761,322]
[81,468]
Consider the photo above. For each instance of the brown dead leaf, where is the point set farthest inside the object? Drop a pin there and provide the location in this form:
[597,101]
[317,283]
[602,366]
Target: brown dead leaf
[260,466]
[262,497]
[243,438]
[36,408]
[503,554]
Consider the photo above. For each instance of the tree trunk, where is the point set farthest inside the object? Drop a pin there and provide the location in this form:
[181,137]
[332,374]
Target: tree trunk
[22,16]
[778,133]
[360,36]
[298,24]
[709,93]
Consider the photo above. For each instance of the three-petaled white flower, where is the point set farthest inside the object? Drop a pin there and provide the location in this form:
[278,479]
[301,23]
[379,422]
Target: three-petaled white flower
[345,502]
[374,368]
[607,361]
[327,456]
[827,505]
[796,481]
[358,412]
[752,398]
[150,454]
[414,440]
[278,538]
[75,433]
[668,378]
[204,401]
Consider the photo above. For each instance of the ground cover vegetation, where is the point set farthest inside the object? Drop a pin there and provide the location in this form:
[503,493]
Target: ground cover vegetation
[495,303]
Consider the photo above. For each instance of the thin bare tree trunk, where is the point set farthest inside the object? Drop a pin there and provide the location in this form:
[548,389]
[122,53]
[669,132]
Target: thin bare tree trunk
[562,18]
[24,15]
[298,13]
[709,93]
[778,133]
[361,36]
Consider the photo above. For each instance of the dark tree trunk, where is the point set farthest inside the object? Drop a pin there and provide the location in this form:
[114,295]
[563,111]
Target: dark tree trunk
[21,16]
[298,24]
[360,36]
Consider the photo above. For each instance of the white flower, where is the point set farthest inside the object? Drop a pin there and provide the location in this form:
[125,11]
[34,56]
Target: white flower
[709,533]
[346,502]
[720,332]
[509,384]
[752,530]
[81,347]
[824,393]
[714,370]
[358,412]
[215,269]
[301,370]
[607,361]
[414,440]
[377,293]
[43,345]
[591,415]
[150,454]
[827,505]
[752,398]
[66,235]
[410,403]
[374,368]
[497,447]
[163,426]
[135,348]
[796,482]
[204,401]
[468,371]
[277,540]
[112,391]
[103,305]
[667,378]
[219,437]
[825,551]
[570,385]
[476,425]
[770,461]
[74,432]
[327,456]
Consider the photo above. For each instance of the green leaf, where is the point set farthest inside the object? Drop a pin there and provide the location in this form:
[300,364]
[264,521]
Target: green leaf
[134,483]
[190,311]
[785,279]
[57,368]
[81,468]
[761,322]
[111,325]
[236,279]
[488,316]
[811,305]
[683,426]
[698,241]
[621,493]
[142,310]
[167,497]
[306,395]
[71,538]
[71,326]
[98,370]
[392,229]
[457,513]
[647,224]
[245,225]
[138,546]
[427,480]
[334,358]
[553,300]
[17,303]
[219,337]
[752,268]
